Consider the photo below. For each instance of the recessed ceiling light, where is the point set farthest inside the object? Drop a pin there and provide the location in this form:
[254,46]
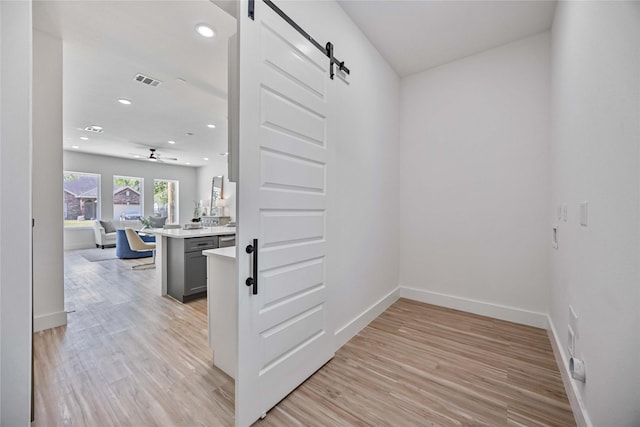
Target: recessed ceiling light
[205,31]
[124,101]
[171,142]
[137,156]
[187,163]
[84,138]
[96,127]
[206,158]
[153,159]
[211,126]
[75,146]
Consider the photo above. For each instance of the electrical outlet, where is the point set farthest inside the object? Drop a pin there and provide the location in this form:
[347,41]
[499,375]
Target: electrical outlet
[573,321]
[571,342]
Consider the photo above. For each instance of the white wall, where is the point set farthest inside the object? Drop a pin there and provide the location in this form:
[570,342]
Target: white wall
[362,227]
[595,151]
[215,167]
[110,166]
[474,183]
[48,262]
[15,213]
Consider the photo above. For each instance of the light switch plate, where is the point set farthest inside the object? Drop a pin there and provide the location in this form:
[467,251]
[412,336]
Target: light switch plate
[584,213]
[571,344]
[564,212]
[573,320]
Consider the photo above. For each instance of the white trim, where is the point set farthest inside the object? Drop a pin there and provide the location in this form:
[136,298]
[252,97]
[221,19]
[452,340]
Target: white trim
[577,405]
[483,308]
[50,320]
[351,329]
[84,245]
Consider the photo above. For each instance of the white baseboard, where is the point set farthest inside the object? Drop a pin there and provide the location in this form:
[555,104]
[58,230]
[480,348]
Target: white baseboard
[511,314]
[577,405]
[74,246]
[48,321]
[351,329]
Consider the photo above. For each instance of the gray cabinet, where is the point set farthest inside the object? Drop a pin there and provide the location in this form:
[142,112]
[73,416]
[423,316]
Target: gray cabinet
[226,241]
[187,267]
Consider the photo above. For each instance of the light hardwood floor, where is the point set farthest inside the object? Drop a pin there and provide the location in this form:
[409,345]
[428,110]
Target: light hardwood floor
[422,365]
[131,358]
[127,356]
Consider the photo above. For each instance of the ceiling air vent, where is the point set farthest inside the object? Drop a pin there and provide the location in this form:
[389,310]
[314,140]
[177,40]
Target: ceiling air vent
[147,80]
[96,129]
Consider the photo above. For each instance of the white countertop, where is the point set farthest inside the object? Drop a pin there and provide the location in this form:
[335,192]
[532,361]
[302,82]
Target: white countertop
[228,252]
[180,233]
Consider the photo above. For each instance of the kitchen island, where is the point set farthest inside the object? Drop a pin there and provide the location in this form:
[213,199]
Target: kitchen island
[179,260]
[222,307]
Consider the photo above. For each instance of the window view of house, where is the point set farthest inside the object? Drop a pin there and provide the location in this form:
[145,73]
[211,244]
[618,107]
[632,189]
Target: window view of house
[81,198]
[127,197]
[165,200]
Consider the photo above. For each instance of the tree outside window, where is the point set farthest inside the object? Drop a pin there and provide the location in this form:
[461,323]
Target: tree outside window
[165,200]
[128,196]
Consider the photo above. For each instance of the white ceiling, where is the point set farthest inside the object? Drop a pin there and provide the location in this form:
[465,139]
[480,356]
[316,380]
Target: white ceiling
[416,35]
[107,43]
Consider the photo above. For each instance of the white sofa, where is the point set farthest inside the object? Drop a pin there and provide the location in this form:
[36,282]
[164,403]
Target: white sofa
[104,239]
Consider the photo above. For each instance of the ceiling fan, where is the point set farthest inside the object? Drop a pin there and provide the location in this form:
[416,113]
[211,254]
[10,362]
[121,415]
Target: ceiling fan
[156,157]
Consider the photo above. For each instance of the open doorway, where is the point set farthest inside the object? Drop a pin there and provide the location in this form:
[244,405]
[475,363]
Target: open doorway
[144,113]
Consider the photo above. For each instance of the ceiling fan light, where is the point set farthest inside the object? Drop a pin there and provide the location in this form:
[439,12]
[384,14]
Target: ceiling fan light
[124,101]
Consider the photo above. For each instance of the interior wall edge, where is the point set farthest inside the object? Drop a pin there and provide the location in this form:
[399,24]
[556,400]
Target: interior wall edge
[49,320]
[577,405]
[354,326]
[483,308]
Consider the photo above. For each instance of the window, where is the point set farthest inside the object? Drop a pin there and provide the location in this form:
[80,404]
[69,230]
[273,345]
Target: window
[165,200]
[127,197]
[81,198]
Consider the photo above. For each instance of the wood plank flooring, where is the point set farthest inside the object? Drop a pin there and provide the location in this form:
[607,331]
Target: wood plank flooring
[131,358]
[422,365]
[127,356]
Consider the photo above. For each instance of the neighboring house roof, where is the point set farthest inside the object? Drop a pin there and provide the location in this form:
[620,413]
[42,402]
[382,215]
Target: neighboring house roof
[118,190]
[83,186]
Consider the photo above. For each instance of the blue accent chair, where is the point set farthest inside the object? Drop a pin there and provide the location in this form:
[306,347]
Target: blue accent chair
[124,251]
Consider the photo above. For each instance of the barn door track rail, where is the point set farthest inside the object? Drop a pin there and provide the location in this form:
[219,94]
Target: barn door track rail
[326,49]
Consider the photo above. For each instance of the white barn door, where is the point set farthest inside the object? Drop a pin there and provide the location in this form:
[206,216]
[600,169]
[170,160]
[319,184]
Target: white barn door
[282,329]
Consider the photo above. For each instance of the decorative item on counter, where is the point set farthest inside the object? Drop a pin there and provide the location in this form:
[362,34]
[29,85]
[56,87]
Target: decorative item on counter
[193,225]
[217,191]
[221,203]
[146,222]
[196,212]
